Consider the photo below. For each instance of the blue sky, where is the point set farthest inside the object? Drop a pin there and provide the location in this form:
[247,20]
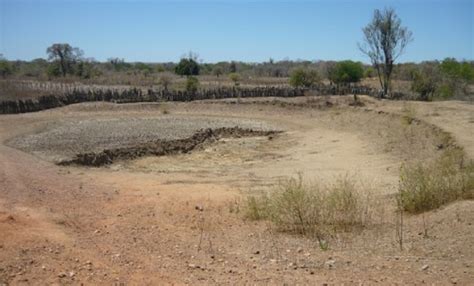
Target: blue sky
[252,31]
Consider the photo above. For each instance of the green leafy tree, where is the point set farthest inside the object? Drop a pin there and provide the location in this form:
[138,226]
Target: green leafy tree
[65,55]
[347,72]
[467,71]
[302,77]
[455,77]
[233,67]
[385,39]
[188,65]
[86,69]
[441,81]
[457,70]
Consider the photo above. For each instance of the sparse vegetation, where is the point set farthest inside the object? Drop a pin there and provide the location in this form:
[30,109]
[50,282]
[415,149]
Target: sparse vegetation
[192,84]
[5,67]
[159,169]
[442,80]
[429,185]
[217,71]
[311,209]
[165,80]
[424,84]
[408,114]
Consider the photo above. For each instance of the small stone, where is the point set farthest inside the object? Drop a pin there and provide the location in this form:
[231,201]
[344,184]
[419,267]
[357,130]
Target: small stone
[71,274]
[62,275]
[425,267]
[299,250]
[330,263]
[257,252]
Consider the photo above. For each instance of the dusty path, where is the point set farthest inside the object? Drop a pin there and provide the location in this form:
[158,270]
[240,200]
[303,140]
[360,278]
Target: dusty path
[178,219]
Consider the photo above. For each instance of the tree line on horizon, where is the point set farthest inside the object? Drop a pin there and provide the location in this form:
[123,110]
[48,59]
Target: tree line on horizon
[384,41]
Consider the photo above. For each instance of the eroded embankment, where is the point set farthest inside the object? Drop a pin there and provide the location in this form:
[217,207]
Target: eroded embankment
[163,147]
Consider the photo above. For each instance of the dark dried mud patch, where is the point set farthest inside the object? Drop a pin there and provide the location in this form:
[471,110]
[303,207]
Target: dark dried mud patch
[164,147]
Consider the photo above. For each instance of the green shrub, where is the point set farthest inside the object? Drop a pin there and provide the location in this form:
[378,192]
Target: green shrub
[304,78]
[428,186]
[424,84]
[445,91]
[235,78]
[192,84]
[187,66]
[370,72]
[53,70]
[457,70]
[347,72]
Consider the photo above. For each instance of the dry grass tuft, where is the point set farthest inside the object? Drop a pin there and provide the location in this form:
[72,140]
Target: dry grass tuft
[408,114]
[313,210]
[427,186]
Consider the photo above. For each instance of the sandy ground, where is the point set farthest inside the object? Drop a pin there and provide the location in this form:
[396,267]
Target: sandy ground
[178,219]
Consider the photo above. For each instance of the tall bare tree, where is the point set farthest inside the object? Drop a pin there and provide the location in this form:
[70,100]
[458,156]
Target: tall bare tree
[384,41]
[65,55]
